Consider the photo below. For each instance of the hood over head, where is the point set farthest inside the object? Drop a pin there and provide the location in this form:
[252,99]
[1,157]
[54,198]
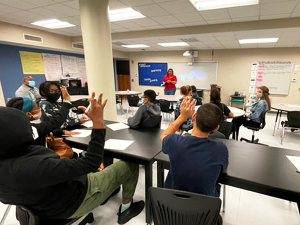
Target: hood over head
[15,133]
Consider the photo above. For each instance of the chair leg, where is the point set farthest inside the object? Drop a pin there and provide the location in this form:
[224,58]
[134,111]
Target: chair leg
[282,134]
[5,215]
[224,196]
[127,112]
[252,139]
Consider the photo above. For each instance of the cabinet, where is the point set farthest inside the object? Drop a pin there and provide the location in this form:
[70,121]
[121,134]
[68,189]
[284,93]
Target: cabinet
[240,99]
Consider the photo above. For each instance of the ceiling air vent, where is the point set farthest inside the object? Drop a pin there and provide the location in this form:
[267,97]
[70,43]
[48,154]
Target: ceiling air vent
[190,40]
[29,37]
[78,45]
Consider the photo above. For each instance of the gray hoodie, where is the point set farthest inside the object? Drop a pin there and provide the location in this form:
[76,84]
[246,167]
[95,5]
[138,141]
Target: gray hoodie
[143,112]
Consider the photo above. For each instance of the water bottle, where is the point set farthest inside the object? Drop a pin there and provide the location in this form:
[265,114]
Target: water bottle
[244,93]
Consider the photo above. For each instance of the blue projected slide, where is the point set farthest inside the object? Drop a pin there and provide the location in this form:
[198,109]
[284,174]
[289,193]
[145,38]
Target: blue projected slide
[152,73]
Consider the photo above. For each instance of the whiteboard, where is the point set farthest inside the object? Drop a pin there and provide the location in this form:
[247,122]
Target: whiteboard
[276,75]
[200,74]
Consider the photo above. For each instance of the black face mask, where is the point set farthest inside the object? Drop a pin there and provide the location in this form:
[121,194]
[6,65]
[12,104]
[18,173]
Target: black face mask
[53,97]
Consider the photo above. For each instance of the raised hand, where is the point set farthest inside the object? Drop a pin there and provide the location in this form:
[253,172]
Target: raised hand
[187,107]
[65,93]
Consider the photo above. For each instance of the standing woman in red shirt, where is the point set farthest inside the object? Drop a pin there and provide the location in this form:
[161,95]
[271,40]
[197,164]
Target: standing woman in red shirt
[169,82]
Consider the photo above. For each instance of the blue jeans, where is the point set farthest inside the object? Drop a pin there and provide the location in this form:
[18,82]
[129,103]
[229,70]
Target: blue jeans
[170,92]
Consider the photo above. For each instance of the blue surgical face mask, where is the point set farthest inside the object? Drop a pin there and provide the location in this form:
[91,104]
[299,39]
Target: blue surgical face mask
[31,83]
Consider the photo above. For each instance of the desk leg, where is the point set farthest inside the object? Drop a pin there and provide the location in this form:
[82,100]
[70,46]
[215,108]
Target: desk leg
[224,196]
[122,104]
[148,184]
[275,122]
[160,175]
[279,120]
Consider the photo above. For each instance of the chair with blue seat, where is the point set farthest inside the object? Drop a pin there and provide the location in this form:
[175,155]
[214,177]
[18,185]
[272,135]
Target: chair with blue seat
[26,217]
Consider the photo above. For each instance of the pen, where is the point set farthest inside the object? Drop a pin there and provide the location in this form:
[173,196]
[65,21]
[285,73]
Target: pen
[87,109]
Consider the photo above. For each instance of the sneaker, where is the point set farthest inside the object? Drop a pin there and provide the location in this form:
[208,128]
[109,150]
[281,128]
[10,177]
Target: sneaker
[113,194]
[135,209]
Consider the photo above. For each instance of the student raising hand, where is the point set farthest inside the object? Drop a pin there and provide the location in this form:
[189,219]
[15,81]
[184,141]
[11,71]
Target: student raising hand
[187,107]
[65,93]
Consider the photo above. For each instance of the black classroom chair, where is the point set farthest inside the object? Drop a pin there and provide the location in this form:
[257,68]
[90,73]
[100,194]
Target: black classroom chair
[165,106]
[26,217]
[152,121]
[133,101]
[173,207]
[293,122]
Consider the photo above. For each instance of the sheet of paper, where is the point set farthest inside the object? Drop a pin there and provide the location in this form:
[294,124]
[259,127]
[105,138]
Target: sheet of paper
[252,81]
[297,67]
[83,133]
[117,126]
[295,160]
[251,89]
[298,106]
[88,124]
[253,74]
[254,66]
[116,144]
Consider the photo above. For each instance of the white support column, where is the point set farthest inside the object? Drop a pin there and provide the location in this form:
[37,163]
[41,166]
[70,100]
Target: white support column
[95,26]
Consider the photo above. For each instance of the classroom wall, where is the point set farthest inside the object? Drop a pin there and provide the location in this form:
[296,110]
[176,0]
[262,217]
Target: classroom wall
[234,68]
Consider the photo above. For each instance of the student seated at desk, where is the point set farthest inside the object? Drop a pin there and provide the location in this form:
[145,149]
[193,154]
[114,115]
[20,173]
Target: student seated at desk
[148,109]
[186,91]
[196,162]
[215,98]
[54,188]
[33,112]
[194,92]
[50,105]
[257,109]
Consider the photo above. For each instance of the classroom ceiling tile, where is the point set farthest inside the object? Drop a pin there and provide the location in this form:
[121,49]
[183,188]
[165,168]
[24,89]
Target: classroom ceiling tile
[14,18]
[286,43]
[273,1]
[159,1]
[189,17]
[177,7]
[18,4]
[72,4]
[297,45]
[151,10]
[230,42]
[63,9]
[277,8]
[114,26]
[9,20]
[8,9]
[61,0]
[25,14]
[117,5]
[266,45]
[269,35]
[137,28]
[244,11]
[154,27]
[245,19]
[249,46]
[297,8]
[40,2]
[217,14]
[289,39]
[48,14]
[127,24]
[295,14]
[226,38]
[136,2]
[166,20]
[146,22]
[278,16]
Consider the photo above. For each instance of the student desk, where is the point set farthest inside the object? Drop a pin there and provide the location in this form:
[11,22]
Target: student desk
[170,98]
[283,107]
[262,169]
[142,151]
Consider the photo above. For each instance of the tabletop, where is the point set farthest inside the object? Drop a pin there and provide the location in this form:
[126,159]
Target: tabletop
[259,168]
[171,98]
[285,106]
[128,92]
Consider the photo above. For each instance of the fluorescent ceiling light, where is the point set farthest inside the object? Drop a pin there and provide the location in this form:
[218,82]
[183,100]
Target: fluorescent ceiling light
[258,40]
[124,14]
[53,24]
[136,46]
[173,44]
[219,4]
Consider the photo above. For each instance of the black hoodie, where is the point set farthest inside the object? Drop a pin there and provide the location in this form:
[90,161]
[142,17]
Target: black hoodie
[34,176]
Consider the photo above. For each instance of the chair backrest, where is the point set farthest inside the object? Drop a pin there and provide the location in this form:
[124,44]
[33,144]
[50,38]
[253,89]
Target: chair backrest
[217,134]
[198,101]
[294,118]
[225,128]
[133,100]
[84,91]
[263,120]
[200,93]
[173,207]
[152,121]
[164,105]
[73,90]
